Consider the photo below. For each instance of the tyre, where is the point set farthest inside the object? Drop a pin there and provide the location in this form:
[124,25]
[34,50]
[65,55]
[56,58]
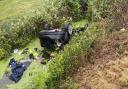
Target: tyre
[68,27]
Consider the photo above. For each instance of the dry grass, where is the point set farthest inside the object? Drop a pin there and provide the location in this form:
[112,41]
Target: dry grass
[118,18]
[108,68]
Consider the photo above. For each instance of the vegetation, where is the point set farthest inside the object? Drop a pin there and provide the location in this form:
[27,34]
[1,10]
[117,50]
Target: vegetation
[106,61]
[25,19]
[20,26]
[23,24]
[105,65]
[17,57]
[63,63]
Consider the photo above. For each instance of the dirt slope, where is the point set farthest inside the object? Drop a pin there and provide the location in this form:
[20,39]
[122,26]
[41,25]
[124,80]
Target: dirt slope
[107,65]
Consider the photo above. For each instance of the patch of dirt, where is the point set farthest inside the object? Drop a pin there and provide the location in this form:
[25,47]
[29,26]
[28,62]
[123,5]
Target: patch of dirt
[107,65]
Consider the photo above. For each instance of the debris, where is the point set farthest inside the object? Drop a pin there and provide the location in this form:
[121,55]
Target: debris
[25,51]
[50,38]
[122,30]
[35,49]
[15,51]
[31,56]
[43,62]
[17,70]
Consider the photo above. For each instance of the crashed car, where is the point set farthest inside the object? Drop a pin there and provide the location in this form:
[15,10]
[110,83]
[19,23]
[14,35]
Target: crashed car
[51,38]
[17,70]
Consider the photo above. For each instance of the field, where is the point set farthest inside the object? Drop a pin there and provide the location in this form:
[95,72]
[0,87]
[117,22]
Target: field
[17,8]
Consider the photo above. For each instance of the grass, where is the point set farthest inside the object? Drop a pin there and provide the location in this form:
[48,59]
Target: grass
[68,59]
[21,8]
[113,70]
[3,63]
[80,23]
[35,66]
[31,73]
[22,20]
[13,8]
[17,8]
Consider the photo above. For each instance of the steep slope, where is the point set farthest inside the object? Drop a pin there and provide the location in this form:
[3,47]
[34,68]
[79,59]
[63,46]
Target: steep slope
[107,65]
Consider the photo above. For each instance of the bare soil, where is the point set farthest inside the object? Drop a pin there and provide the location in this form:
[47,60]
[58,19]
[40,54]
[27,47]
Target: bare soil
[107,65]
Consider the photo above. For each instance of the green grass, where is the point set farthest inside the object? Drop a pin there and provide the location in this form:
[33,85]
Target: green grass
[80,23]
[3,63]
[31,9]
[35,66]
[29,75]
[12,8]
[64,63]
[17,8]
[21,20]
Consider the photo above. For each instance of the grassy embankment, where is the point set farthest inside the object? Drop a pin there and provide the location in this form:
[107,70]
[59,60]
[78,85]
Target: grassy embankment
[62,64]
[21,20]
[13,9]
[34,65]
[106,65]
[20,23]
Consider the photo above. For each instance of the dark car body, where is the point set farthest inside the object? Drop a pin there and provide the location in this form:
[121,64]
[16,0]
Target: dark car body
[54,38]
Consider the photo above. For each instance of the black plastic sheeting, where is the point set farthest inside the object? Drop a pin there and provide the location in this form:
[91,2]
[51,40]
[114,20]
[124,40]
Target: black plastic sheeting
[17,71]
[48,38]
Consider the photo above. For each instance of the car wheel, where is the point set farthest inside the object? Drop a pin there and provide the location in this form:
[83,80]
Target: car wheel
[69,28]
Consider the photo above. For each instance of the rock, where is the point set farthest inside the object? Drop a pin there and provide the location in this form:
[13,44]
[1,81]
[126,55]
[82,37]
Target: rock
[122,30]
